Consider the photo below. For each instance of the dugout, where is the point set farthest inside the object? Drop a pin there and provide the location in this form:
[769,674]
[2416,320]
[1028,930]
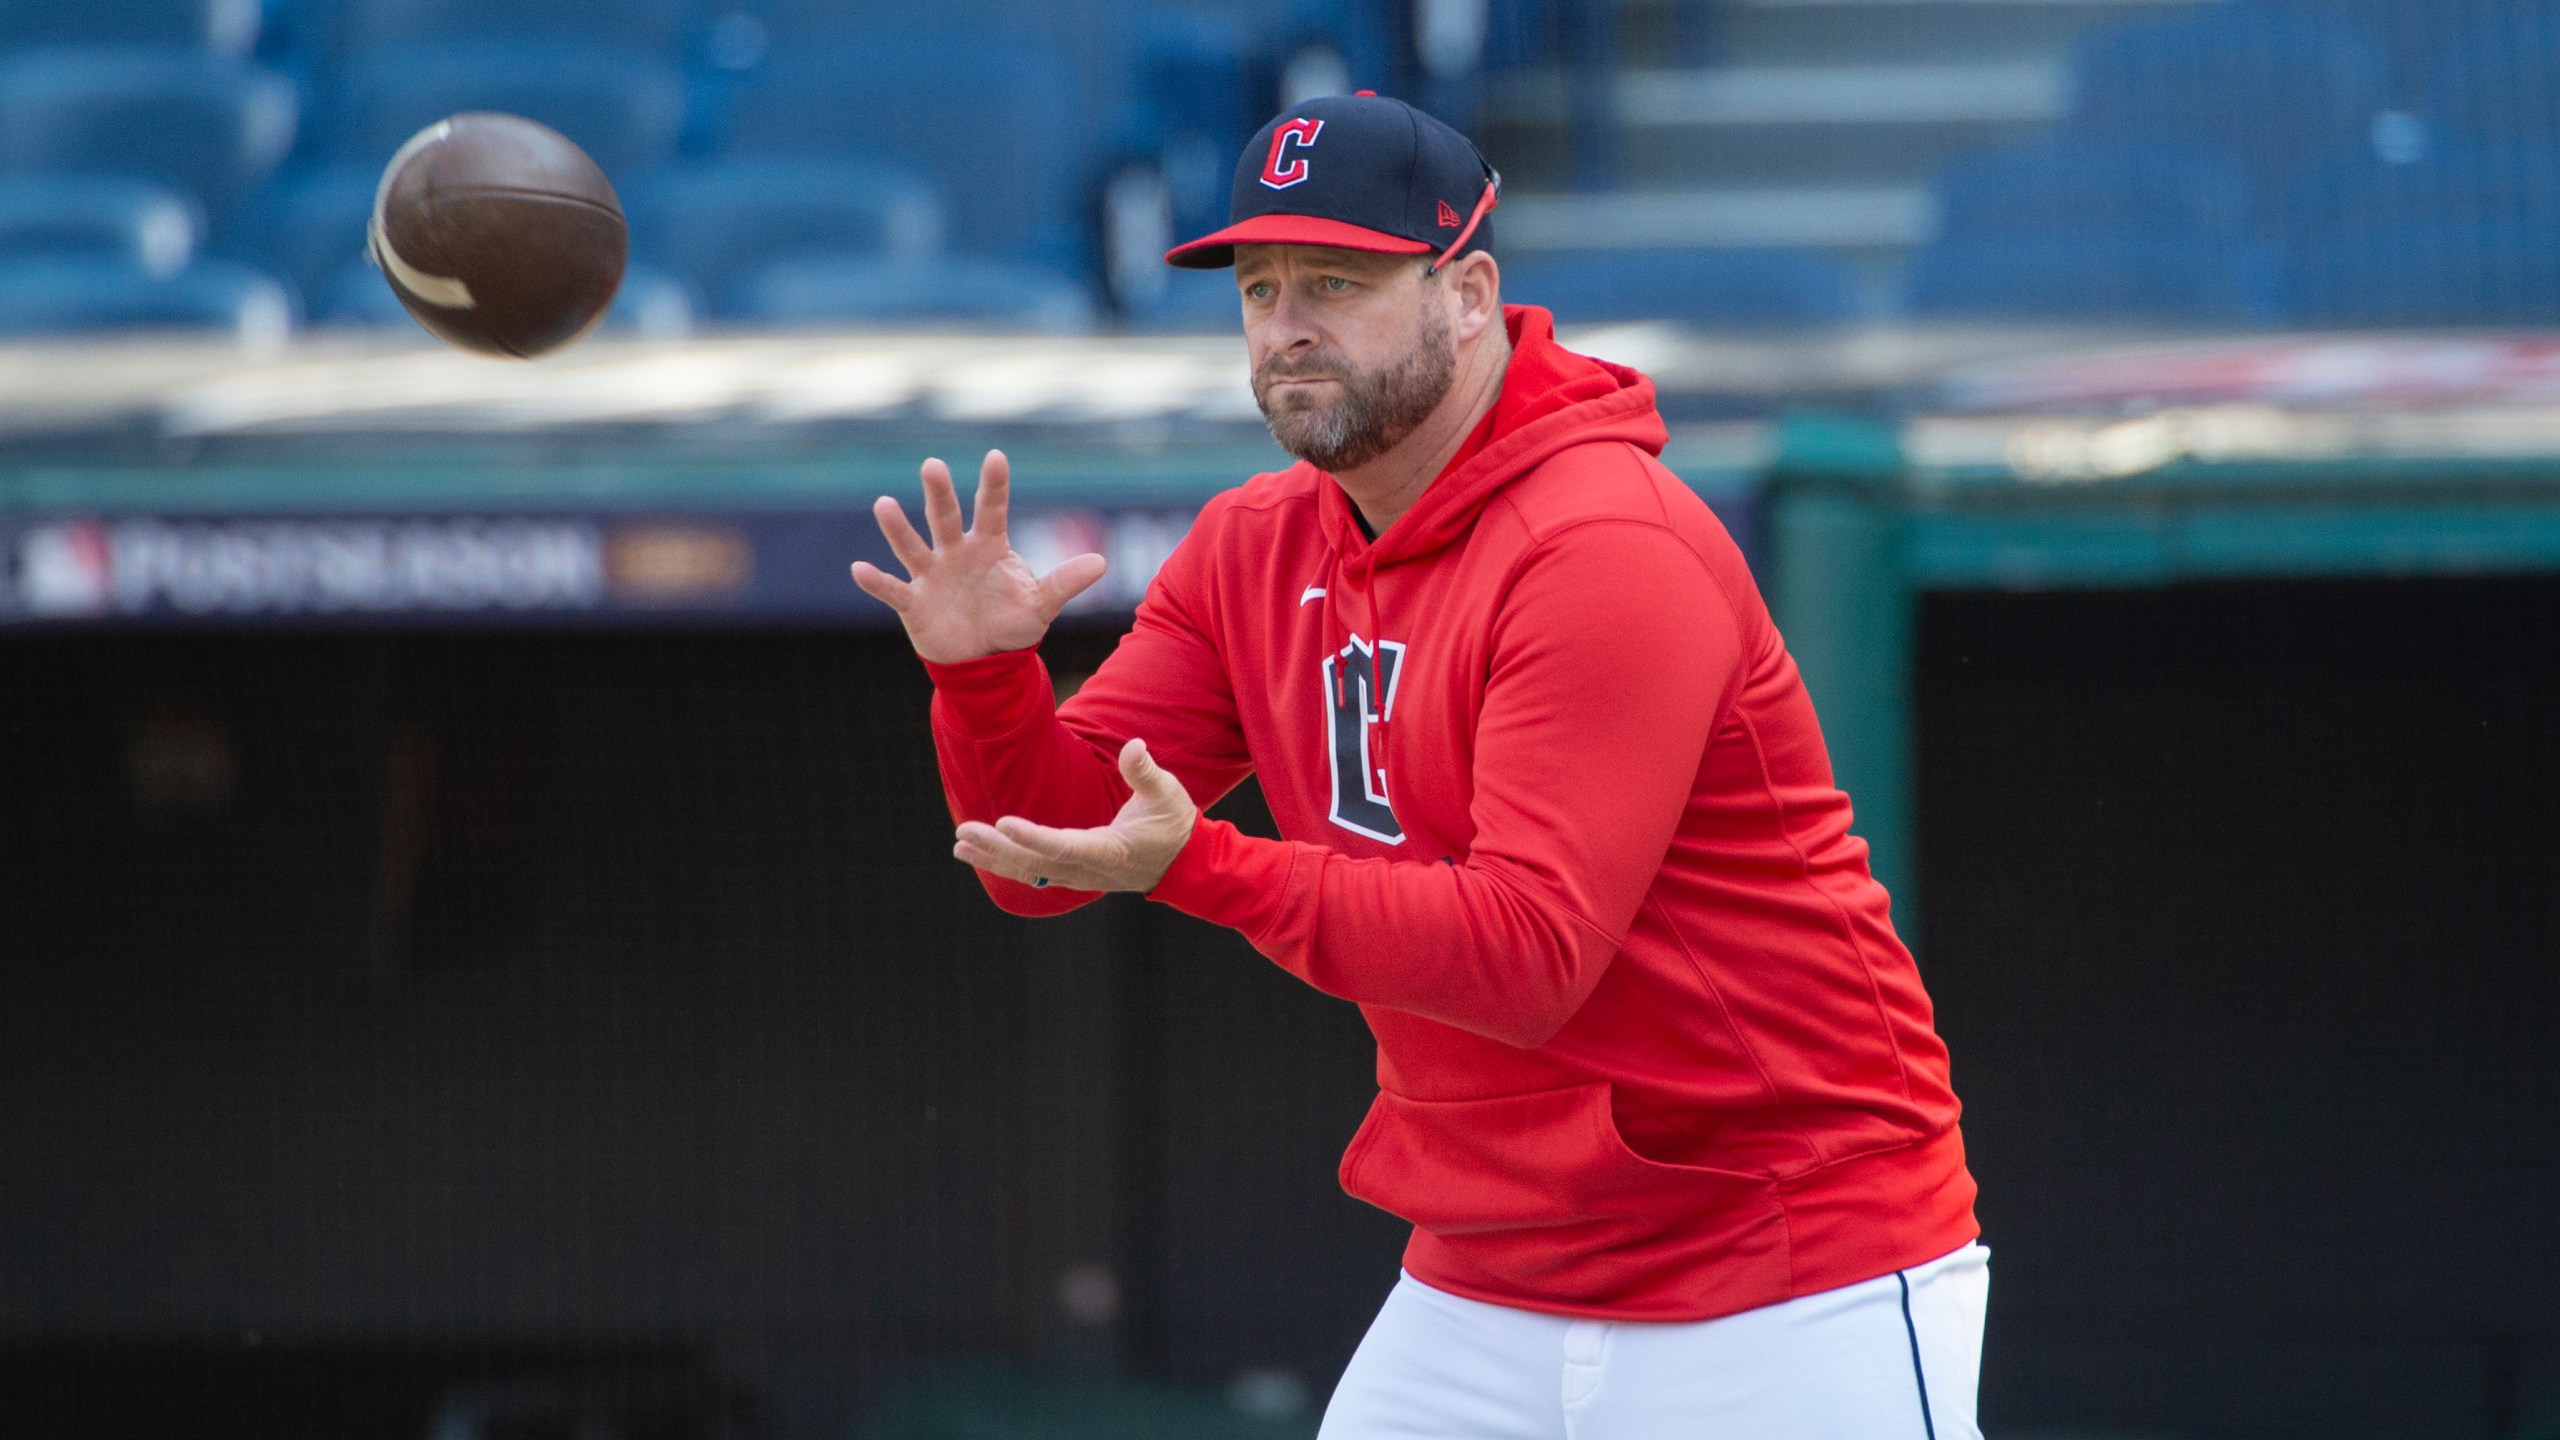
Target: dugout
[2215,750]
[397,1014]
[459,946]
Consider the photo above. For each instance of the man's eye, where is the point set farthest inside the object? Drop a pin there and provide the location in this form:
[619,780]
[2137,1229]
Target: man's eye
[1335,284]
[1258,290]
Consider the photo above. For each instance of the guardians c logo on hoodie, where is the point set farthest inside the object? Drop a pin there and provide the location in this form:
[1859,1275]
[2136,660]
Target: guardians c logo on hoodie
[1360,693]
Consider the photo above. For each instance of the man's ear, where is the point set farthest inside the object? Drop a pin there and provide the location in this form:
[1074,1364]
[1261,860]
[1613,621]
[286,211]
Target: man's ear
[1477,281]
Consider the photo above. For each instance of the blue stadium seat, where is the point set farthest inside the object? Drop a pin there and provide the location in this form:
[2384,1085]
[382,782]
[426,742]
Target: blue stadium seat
[2272,84]
[2082,185]
[63,297]
[2087,227]
[650,305]
[2129,276]
[996,126]
[990,293]
[656,26]
[710,224]
[1521,33]
[2470,237]
[1366,34]
[2413,33]
[354,296]
[1191,302]
[299,37]
[1197,69]
[2497,81]
[623,108]
[1752,288]
[218,27]
[209,127]
[96,217]
[1196,104]
[1017,21]
[304,228]
[2484,185]
[2428,273]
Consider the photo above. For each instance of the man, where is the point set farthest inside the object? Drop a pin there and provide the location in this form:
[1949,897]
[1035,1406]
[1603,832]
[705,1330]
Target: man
[1658,1084]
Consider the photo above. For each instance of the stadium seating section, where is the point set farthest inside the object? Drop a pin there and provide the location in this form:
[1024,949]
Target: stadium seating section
[2351,162]
[869,290]
[624,108]
[2241,163]
[218,27]
[1742,288]
[2096,228]
[717,226]
[97,217]
[58,296]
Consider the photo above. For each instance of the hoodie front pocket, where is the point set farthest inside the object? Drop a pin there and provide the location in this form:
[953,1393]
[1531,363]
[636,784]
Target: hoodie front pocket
[1526,1162]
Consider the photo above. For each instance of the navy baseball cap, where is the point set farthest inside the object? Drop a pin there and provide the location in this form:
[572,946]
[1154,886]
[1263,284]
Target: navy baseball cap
[1356,172]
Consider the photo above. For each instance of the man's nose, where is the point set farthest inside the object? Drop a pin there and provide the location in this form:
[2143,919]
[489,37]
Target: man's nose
[1287,329]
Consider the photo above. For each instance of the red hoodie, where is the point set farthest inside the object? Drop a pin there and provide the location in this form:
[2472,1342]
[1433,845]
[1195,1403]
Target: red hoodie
[1560,820]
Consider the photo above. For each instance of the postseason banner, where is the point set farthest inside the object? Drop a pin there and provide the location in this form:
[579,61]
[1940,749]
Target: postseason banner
[565,569]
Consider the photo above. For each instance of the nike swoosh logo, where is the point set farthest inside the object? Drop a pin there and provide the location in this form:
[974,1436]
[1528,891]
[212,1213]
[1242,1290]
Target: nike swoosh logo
[1314,592]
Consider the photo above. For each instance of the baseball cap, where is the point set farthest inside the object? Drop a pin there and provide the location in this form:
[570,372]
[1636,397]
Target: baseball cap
[1358,172]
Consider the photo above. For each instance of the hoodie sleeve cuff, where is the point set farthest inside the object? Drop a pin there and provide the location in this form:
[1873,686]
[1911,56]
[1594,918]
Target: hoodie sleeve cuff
[992,696]
[1229,878]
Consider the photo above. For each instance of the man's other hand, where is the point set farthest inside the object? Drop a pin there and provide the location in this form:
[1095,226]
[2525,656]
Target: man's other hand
[967,594]
[1130,853]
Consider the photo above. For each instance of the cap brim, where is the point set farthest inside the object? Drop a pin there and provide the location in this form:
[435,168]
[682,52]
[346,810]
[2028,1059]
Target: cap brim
[1218,251]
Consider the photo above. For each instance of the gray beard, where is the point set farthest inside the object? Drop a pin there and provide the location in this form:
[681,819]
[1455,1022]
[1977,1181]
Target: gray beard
[1377,408]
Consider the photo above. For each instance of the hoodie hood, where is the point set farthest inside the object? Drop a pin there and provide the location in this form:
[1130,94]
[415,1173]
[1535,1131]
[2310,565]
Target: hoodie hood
[1552,400]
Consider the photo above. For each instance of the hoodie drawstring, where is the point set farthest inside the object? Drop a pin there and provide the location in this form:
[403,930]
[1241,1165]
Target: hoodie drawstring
[1378,684]
[1334,659]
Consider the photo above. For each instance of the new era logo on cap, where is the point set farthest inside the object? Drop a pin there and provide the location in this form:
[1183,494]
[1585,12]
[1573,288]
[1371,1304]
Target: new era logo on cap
[1357,172]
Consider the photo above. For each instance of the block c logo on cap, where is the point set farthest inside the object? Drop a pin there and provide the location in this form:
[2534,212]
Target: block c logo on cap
[1283,169]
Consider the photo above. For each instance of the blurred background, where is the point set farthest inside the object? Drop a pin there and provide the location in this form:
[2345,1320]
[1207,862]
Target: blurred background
[478,952]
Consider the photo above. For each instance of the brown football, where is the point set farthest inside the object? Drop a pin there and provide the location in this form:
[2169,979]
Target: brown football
[499,234]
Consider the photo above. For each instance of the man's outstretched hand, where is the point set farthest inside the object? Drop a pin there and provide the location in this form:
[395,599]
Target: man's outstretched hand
[967,594]
[1130,853]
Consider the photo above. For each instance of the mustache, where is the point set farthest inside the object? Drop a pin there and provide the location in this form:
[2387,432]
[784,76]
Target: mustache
[1306,367]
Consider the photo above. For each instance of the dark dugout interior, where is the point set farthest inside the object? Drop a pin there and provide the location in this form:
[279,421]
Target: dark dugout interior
[2242,915]
[386,1018]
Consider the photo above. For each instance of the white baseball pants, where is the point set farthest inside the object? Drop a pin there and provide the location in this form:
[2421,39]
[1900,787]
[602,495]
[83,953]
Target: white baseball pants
[1894,1358]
